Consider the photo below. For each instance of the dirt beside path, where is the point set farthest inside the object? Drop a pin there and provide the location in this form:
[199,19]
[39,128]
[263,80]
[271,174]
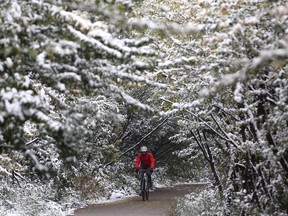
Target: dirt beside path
[160,203]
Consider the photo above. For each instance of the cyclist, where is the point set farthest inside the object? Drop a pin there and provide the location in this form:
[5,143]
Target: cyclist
[145,161]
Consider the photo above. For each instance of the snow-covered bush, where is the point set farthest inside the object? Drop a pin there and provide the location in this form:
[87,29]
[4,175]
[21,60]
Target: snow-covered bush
[206,203]
[34,199]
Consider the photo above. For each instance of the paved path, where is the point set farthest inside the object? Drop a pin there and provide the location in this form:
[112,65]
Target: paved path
[160,203]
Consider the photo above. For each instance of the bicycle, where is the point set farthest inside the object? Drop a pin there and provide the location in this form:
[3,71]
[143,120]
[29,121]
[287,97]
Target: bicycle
[144,184]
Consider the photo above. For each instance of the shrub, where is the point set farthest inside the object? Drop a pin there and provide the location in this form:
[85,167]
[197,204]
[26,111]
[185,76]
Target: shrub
[205,203]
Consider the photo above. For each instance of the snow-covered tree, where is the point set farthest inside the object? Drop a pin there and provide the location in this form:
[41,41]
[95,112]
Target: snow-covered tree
[62,71]
[66,68]
[226,84]
[73,73]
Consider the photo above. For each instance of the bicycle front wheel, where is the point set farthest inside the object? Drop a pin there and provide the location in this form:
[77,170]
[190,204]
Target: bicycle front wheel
[147,193]
[144,190]
[143,195]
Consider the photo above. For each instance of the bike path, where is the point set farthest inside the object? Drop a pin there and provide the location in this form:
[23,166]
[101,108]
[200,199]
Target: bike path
[160,203]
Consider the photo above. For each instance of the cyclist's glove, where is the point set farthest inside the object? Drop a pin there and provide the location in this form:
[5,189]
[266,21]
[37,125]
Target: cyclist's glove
[151,170]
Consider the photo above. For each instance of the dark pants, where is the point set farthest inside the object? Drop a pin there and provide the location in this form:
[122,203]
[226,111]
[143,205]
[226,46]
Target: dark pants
[147,171]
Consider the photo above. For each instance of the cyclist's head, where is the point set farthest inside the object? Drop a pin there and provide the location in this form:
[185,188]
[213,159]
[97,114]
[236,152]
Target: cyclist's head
[144,149]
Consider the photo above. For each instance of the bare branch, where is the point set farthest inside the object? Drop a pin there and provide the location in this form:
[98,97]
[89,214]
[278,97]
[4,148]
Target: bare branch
[225,134]
[32,141]
[200,146]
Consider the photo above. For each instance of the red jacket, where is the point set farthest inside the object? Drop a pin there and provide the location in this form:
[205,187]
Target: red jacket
[145,160]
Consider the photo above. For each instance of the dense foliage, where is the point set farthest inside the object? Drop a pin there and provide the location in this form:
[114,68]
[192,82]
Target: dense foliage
[65,74]
[202,83]
[228,91]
